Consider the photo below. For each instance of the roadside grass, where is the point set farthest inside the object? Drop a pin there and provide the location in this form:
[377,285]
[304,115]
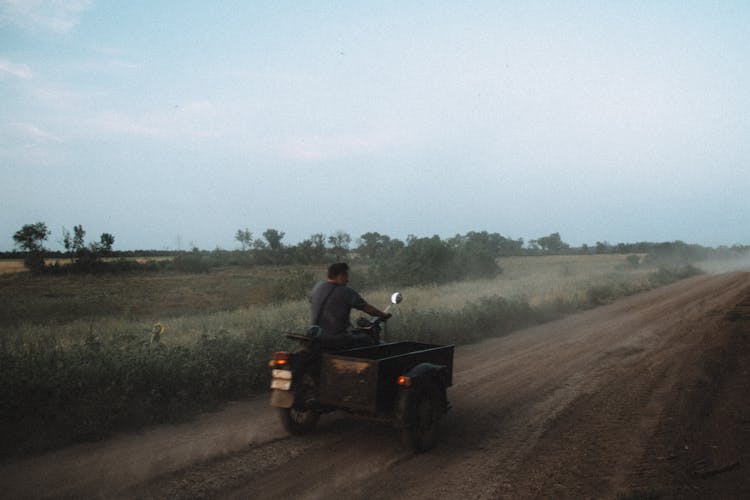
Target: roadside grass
[81,379]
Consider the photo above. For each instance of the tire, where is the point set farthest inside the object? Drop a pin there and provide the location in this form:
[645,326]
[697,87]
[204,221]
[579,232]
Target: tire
[300,418]
[426,410]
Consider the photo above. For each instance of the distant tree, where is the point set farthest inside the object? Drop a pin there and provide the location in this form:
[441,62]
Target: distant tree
[30,238]
[319,244]
[74,244]
[106,241]
[511,247]
[245,237]
[552,243]
[633,260]
[373,245]
[313,249]
[369,243]
[274,237]
[81,255]
[340,242]
[603,247]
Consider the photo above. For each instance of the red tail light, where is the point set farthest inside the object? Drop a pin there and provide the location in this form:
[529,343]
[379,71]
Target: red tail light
[280,358]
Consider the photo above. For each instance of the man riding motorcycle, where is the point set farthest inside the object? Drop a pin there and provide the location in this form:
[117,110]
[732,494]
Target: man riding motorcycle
[331,303]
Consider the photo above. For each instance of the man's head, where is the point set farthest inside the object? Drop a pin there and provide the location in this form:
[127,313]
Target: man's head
[339,273]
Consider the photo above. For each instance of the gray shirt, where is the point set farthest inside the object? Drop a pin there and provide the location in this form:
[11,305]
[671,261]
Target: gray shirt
[335,315]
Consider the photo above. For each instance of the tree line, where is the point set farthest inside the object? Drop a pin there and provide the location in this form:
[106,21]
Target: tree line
[415,260]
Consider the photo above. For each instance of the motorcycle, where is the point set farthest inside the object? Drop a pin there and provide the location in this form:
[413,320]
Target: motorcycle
[403,383]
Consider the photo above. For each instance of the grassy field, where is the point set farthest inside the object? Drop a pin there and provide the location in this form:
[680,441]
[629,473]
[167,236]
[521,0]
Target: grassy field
[240,300]
[10,266]
[78,357]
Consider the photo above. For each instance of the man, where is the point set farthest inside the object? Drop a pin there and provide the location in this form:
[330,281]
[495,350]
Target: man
[331,304]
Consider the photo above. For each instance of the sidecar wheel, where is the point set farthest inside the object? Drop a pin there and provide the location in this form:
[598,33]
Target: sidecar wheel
[426,410]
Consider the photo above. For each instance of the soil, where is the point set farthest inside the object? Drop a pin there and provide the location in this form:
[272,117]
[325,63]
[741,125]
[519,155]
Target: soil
[643,398]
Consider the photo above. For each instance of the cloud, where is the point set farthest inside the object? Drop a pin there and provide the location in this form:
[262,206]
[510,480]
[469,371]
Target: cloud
[336,146]
[195,119]
[31,131]
[15,70]
[59,16]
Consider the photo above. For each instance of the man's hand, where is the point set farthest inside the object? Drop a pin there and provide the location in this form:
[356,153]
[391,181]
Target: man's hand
[386,316]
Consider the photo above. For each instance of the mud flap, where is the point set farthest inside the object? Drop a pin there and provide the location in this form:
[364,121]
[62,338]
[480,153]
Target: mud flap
[282,399]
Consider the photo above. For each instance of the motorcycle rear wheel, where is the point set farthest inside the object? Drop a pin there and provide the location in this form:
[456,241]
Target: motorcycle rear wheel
[300,418]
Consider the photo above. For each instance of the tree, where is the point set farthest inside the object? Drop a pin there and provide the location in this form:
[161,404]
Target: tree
[339,242]
[312,249]
[106,241]
[376,245]
[274,237]
[245,238]
[74,244]
[552,243]
[603,247]
[319,244]
[30,238]
[85,257]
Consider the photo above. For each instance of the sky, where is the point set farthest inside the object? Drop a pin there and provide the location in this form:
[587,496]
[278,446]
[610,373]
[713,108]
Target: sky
[173,124]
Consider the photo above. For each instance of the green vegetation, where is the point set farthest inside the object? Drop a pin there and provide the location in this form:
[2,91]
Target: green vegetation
[71,376]
[417,260]
[30,238]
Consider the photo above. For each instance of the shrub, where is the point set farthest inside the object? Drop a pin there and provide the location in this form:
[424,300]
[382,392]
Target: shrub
[633,260]
[432,261]
[669,274]
[601,294]
[192,262]
[294,285]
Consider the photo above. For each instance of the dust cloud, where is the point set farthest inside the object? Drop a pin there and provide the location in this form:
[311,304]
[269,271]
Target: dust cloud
[740,262]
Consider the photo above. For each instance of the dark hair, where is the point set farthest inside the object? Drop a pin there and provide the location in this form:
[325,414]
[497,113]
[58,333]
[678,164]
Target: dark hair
[337,269]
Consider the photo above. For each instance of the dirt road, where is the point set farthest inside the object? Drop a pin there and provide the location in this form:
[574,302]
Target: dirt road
[644,398]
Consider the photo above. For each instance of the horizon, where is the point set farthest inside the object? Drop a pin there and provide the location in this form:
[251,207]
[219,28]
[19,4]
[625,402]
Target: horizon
[355,242]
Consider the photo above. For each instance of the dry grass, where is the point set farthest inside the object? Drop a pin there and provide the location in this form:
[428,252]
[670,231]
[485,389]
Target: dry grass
[8,266]
[238,300]
[538,280]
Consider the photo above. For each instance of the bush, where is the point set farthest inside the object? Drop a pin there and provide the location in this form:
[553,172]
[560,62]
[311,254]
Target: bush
[489,316]
[601,294]
[193,262]
[433,261]
[633,260]
[669,274]
[294,285]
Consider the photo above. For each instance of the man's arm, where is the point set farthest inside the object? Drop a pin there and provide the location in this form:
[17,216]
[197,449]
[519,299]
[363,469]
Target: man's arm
[374,311]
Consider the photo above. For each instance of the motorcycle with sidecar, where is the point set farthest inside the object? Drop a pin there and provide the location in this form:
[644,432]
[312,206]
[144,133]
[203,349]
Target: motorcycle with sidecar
[401,383]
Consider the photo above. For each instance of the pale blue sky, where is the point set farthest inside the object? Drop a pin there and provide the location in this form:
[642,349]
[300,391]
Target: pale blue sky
[170,123]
